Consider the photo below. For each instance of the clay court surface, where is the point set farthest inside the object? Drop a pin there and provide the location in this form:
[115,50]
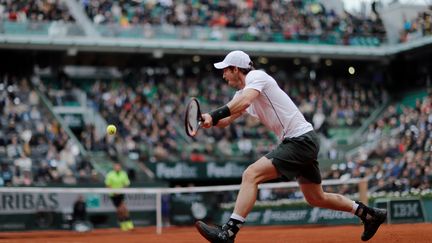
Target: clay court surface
[388,233]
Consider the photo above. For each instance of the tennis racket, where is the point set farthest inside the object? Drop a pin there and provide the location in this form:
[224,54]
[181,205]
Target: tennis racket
[192,117]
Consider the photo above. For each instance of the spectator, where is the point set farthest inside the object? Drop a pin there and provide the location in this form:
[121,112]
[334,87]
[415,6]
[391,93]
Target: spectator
[80,222]
[79,210]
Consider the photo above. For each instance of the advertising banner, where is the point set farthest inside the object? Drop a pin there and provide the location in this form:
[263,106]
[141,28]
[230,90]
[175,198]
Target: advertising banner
[198,171]
[403,210]
[16,202]
[295,216]
[187,208]
[23,211]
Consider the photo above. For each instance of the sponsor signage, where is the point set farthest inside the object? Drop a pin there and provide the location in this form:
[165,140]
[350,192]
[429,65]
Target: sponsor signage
[403,210]
[225,170]
[191,207]
[23,211]
[293,216]
[198,171]
[16,202]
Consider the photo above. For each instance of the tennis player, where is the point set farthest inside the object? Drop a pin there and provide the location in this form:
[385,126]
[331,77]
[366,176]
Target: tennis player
[118,178]
[296,155]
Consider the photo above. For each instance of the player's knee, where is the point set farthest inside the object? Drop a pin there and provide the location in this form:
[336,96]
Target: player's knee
[250,175]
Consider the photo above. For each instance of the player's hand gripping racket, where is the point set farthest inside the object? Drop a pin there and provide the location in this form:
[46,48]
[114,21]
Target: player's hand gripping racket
[193,117]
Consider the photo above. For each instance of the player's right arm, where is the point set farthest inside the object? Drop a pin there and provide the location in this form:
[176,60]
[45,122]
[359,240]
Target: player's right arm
[237,106]
[226,121]
[222,123]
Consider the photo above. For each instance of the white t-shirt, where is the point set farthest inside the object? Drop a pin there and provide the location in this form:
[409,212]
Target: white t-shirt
[273,107]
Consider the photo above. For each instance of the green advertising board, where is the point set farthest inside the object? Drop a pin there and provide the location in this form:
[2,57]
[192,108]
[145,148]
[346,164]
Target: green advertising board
[187,208]
[294,215]
[198,171]
[403,210]
[25,211]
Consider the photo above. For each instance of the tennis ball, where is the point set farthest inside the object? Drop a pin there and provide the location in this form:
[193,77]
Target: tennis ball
[111,129]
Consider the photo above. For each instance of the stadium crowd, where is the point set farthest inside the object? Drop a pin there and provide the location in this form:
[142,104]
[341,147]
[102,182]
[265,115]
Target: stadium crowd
[34,11]
[400,162]
[148,113]
[148,109]
[304,21]
[417,27]
[402,159]
[407,153]
[34,148]
[257,20]
[151,110]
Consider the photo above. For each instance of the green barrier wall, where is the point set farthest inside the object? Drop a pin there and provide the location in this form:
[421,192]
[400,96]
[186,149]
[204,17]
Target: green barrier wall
[407,210]
[185,209]
[173,171]
[191,207]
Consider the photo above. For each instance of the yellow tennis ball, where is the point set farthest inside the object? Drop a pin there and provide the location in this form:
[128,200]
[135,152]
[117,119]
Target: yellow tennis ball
[111,129]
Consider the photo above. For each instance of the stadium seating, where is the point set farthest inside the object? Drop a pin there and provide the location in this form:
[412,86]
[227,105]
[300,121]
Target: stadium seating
[401,159]
[35,149]
[302,22]
[148,114]
[147,107]
[417,27]
[34,11]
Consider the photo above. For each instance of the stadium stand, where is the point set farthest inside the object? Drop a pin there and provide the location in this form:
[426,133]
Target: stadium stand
[400,158]
[34,11]
[417,27]
[336,106]
[150,118]
[278,21]
[35,148]
[60,141]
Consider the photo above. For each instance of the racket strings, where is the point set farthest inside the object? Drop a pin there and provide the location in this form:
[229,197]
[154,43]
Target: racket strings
[193,119]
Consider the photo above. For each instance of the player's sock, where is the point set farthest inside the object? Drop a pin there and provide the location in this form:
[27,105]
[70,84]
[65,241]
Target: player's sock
[354,207]
[234,224]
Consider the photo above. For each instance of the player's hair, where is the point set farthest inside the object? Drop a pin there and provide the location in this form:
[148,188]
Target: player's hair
[244,70]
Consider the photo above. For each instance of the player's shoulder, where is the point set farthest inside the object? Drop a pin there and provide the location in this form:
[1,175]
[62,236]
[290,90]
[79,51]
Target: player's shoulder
[257,75]
[257,72]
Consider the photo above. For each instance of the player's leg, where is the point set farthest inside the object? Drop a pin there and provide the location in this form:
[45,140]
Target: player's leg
[282,160]
[315,196]
[116,200]
[260,171]
[120,215]
[123,213]
[127,219]
[124,218]
[371,217]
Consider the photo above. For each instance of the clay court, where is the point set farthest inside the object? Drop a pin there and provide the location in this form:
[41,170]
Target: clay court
[388,233]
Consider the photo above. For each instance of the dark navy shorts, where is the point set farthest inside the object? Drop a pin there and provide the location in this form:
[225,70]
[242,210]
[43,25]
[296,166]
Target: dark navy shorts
[297,158]
[117,199]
